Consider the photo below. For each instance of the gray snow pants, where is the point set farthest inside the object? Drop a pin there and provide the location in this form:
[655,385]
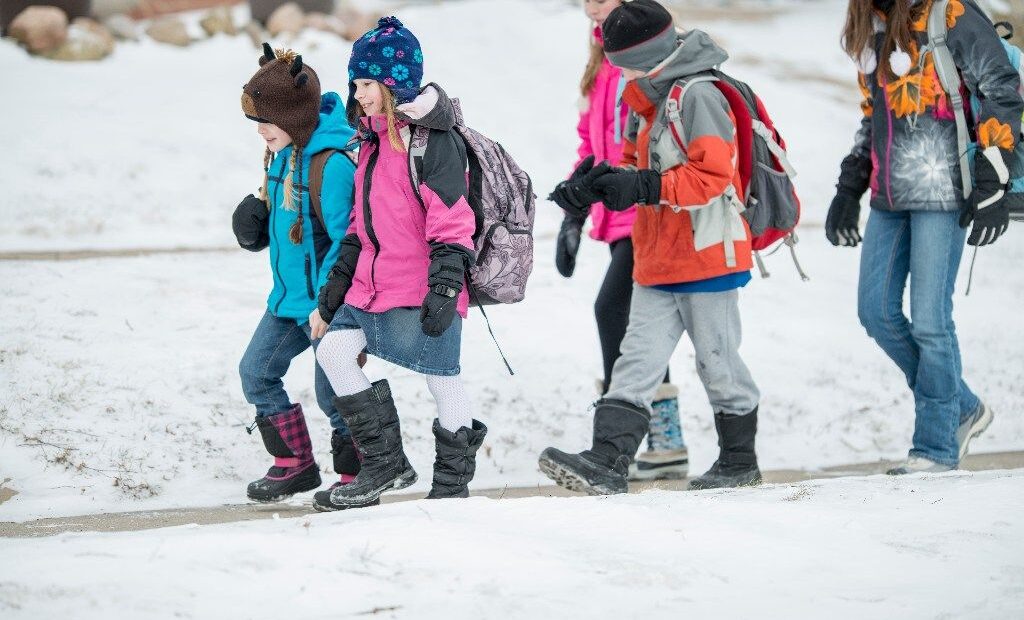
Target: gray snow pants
[657,320]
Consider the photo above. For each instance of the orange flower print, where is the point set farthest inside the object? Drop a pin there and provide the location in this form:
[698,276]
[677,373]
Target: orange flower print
[994,133]
[867,103]
[953,12]
[910,94]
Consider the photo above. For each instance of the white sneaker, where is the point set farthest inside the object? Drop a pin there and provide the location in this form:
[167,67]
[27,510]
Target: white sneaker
[660,465]
[918,464]
[973,427]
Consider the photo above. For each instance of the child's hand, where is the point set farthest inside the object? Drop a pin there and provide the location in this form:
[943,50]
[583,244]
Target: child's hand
[317,326]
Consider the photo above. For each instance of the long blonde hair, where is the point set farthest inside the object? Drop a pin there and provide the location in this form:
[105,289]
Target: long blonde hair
[291,196]
[593,66]
[355,112]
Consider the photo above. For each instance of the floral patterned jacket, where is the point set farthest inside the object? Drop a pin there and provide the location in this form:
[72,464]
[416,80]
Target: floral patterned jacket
[906,147]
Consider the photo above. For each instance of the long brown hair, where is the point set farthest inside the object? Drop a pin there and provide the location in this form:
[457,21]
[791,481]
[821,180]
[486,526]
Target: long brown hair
[593,66]
[859,31]
[355,112]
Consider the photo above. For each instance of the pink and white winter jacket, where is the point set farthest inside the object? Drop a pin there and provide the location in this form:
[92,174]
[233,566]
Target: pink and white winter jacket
[395,230]
[600,138]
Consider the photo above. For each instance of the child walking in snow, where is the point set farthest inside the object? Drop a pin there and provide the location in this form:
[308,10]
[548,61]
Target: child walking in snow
[298,125]
[906,151]
[399,289]
[601,126]
[692,253]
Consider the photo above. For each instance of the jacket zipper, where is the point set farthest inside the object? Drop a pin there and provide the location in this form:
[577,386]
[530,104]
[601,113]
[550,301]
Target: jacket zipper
[273,232]
[371,164]
[309,280]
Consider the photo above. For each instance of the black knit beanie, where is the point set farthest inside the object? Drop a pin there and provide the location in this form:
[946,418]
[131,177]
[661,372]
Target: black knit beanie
[284,92]
[639,35]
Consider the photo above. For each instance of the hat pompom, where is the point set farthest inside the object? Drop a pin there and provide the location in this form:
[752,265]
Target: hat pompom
[391,21]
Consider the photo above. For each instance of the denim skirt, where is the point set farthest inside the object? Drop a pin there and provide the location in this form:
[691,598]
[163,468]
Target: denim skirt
[397,336]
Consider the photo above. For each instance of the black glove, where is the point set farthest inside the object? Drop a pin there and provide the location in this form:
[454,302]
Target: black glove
[444,283]
[574,194]
[250,223]
[987,206]
[843,220]
[568,244]
[339,278]
[621,188]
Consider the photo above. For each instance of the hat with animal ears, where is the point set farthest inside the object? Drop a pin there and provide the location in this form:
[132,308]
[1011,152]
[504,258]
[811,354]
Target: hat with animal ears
[285,92]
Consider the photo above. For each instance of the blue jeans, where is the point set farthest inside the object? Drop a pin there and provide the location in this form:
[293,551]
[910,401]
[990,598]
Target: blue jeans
[927,246]
[275,343]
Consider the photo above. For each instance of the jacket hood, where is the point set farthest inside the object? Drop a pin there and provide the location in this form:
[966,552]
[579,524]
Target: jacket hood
[333,131]
[695,53]
[431,108]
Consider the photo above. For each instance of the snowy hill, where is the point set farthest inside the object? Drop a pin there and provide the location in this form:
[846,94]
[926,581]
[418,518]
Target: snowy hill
[118,380]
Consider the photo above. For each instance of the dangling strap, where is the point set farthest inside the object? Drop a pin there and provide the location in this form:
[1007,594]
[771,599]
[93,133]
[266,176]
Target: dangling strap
[945,67]
[472,292]
[760,265]
[791,241]
[970,272]
[760,129]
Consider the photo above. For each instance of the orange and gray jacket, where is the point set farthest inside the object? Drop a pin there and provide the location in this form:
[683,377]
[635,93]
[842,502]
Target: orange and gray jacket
[696,232]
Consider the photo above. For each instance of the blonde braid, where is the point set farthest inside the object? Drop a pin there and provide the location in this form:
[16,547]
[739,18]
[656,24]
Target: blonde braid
[268,157]
[295,232]
[394,137]
[289,185]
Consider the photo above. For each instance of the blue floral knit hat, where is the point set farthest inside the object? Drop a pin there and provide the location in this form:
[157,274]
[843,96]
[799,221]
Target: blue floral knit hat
[389,54]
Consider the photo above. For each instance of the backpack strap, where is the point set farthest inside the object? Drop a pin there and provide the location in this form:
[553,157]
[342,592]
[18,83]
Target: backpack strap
[674,106]
[949,77]
[317,165]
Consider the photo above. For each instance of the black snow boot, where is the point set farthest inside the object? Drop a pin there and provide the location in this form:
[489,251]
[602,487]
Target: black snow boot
[602,470]
[737,463]
[346,465]
[455,463]
[294,471]
[373,420]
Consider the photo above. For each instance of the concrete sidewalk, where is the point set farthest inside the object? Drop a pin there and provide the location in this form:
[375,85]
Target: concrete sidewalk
[144,520]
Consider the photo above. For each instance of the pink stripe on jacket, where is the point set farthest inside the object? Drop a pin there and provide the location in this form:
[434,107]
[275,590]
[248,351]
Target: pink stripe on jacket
[394,228]
[596,129]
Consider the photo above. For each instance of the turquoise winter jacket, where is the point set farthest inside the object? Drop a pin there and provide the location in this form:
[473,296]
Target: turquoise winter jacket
[300,270]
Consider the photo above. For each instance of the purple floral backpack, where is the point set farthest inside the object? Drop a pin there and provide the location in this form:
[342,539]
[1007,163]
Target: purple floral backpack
[502,198]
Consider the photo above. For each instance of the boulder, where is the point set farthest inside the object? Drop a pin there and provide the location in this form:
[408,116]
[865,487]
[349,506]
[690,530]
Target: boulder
[287,18]
[262,9]
[170,30]
[256,33]
[9,9]
[87,40]
[357,23]
[325,23]
[217,21]
[40,28]
[102,9]
[122,27]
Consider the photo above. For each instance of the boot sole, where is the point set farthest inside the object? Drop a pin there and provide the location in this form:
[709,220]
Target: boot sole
[317,506]
[701,486]
[568,479]
[977,428]
[302,486]
[405,480]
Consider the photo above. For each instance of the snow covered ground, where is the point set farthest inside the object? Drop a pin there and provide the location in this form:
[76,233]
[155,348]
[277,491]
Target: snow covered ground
[118,382]
[947,546]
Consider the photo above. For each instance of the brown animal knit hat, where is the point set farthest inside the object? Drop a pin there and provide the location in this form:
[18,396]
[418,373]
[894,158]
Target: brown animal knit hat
[284,92]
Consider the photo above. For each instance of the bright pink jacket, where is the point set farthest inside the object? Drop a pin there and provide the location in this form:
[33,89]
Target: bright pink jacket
[597,130]
[394,228]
